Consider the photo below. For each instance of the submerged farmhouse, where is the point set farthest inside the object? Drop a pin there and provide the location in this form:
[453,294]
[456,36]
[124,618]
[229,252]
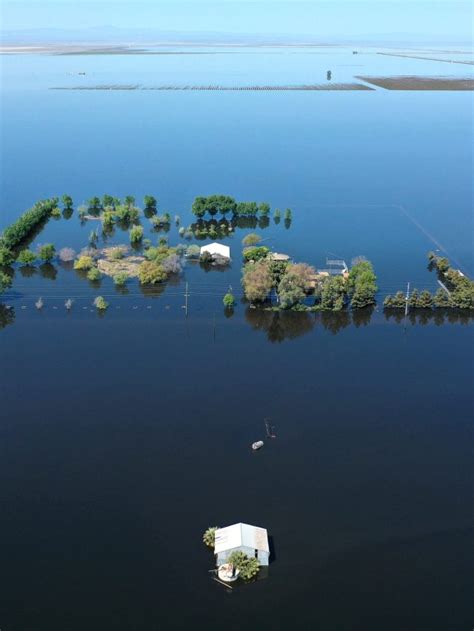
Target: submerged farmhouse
[251,540]
[216,250]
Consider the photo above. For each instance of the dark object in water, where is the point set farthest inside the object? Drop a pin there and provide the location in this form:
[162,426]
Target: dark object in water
[269,428]
[328,75]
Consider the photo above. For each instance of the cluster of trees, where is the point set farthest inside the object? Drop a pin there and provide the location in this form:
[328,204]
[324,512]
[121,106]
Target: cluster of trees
[23,228]
[161,221]
[112,209]
[460,294]
[5,282]
[136,235]
[223,204]
[46,254]
[161,262]
[293,283]
[251,239]
[362,284]
[255,253]
[248,567]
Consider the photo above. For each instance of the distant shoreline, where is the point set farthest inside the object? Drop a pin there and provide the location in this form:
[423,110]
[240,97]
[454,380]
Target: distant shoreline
[149,48]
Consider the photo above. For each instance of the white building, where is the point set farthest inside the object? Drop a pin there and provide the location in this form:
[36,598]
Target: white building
[216,249]
[251,540]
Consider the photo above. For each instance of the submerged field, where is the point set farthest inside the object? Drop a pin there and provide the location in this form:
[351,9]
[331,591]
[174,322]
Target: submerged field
[124,435]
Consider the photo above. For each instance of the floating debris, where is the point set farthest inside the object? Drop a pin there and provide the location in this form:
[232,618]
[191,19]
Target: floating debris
[257,445]
[269,428]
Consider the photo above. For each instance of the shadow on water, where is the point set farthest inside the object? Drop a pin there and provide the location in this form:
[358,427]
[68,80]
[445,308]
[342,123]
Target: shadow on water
[280,325]
[7,315]
[271,545]
[27,271]
[426,316]
[48,271]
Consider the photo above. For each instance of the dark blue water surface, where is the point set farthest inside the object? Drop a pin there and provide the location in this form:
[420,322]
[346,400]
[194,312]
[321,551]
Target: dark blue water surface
[123,436]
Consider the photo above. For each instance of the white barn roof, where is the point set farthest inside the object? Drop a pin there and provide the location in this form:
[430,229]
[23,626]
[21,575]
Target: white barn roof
[217,248]
[239,535]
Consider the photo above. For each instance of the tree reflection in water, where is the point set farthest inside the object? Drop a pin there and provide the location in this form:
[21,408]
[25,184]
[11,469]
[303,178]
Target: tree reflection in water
[280,325]
[7,315]
[27,271]
[361,317]
[426,316]
[47,270]
[335,321]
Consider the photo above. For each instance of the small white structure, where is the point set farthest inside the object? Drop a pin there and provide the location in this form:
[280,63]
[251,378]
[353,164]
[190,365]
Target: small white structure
[251,540]
[278,256]
[216,249]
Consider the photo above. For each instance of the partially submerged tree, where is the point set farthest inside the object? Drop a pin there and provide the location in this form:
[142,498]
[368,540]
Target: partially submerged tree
[93,274]
[151,272]
[248,567]
[100,303]
[5,282]
[136,234]
[229,300]
[67,255]
[6,256]
[362,284]
[84,262]
[67,202]
[47,252]
[209,536]
[193,251]
[120,279]
[264,209]
[26,257]
[150,203]
[295,284]
[333,293]
[257,280]
[251,239]
[255,253]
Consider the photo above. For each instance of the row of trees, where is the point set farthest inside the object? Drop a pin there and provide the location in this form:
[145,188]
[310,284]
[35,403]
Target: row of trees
[459,294]
[15,234]
[46,253]
[224,204]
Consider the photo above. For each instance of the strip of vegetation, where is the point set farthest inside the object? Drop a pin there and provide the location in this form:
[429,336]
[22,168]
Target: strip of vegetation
[458,291]
[15,234]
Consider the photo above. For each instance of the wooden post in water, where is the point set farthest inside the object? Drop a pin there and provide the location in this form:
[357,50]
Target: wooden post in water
[185,306]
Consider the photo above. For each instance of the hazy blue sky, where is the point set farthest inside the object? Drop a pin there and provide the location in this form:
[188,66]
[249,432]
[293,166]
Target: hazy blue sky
[440,20]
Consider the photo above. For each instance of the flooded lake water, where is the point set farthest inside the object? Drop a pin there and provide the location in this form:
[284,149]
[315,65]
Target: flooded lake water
[124,436]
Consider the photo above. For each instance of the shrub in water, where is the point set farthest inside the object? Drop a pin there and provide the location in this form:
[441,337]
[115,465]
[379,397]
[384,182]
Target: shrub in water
[93,274]
[67,255]
[84,262]
[47,252]
[136,234]
[121,278]
[26,257]
[100,303]
[228,300]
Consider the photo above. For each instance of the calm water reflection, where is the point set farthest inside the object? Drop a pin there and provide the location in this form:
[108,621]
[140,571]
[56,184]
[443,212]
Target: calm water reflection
[124,435]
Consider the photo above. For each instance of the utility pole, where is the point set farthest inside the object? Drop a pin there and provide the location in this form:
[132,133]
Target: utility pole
[185,306]
[406,299]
